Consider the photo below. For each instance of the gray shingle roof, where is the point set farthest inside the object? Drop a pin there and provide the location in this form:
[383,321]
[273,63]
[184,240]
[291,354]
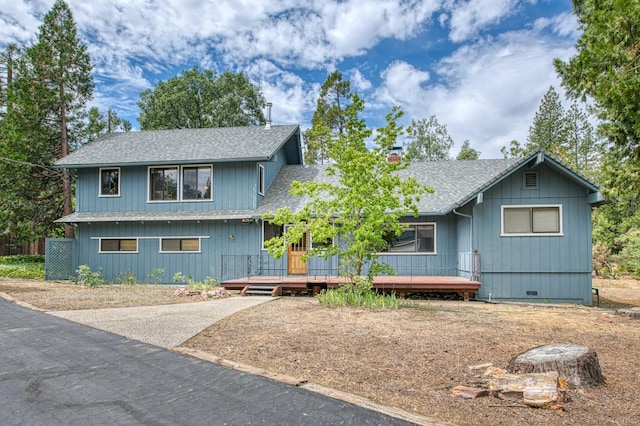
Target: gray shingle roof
[166,216]
[181,146]
[453,181]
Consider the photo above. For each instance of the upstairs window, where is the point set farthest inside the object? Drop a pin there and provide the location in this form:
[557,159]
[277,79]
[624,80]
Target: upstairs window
[163,183]
[110,182]
[544,220]
[260,179]
[186,183]
[196,182]
[416,238]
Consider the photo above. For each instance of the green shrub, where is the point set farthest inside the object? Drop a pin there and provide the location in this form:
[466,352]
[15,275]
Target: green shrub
[206,285]
[85,276]
[156,275]
[360,294]
[22,266]
[22,258]
[126,277]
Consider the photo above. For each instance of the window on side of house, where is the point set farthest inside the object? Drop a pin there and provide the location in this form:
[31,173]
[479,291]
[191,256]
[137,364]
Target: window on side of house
[416,238]
[179,245]
[163,183]
[260,179]
[196,183]
[270,230]
[543,220]
[110,182]
[115,245]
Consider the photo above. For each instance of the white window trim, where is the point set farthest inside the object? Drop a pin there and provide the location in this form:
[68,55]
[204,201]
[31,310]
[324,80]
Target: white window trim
[100,251]
[264,222]
[261,180]
[417,253]
[180,184]
[532,234]
[100,194]
[180,237]
[180,251]
[149,200]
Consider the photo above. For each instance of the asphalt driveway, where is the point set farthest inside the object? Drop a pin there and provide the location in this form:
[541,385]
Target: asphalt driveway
[57,372]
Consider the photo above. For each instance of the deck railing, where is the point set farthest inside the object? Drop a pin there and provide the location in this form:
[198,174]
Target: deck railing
[465,265]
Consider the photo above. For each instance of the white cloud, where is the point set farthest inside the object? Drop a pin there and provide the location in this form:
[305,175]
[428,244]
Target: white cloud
[470,16]
[358,81]
[487,92]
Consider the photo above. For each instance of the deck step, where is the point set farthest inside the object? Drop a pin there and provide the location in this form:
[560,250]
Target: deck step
[266,290]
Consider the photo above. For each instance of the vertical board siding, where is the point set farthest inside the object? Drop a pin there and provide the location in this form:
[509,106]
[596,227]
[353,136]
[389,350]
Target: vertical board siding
[235,187]
[230,238]
[558,267]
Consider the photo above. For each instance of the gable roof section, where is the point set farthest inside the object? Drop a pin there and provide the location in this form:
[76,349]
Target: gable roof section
[184,146]
[455,182]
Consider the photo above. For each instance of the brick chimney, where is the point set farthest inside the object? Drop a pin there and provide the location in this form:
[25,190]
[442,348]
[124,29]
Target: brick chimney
[395,155]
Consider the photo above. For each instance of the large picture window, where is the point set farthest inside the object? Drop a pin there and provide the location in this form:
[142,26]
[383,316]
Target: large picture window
[186,183]
[110,182]
[416,238]
[532,220]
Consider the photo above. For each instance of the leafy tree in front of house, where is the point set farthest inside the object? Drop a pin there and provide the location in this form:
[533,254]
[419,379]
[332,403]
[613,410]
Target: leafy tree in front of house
[428,140]
[467,153]
[199,99]
[45,113]
[359,205]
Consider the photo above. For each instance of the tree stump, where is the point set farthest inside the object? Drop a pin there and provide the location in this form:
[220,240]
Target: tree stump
[578,365]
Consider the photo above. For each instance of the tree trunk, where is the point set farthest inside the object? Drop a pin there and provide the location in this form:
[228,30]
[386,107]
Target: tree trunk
[578,365]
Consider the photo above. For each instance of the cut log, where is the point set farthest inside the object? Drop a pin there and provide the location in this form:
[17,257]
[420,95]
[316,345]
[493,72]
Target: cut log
[533,389]
[468,392]
[578,365]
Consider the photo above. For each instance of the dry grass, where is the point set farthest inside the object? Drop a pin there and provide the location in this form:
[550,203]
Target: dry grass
[410,358]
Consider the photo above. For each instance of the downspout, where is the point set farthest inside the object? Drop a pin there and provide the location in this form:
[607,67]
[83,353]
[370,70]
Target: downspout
[470,234]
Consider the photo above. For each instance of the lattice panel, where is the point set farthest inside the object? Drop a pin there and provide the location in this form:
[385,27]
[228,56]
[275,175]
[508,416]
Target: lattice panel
[59,259]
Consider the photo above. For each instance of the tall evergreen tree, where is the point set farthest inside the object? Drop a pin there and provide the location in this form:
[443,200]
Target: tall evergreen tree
[329,119]
[51,85]
[548,129]
[428,140]
[605,70]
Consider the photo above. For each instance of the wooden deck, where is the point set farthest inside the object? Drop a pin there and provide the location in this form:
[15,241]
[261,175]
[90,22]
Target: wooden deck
[401,285]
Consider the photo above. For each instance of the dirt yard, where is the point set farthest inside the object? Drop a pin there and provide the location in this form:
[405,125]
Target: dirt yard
[409,358]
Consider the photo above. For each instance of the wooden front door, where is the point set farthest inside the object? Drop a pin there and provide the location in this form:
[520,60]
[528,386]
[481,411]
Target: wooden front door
[295,265]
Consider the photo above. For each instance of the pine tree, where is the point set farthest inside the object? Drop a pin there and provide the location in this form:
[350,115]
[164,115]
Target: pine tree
[51,85]
[548,129]
[329,119]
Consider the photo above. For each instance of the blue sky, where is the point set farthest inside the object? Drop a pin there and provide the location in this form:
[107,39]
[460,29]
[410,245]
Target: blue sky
[480,66]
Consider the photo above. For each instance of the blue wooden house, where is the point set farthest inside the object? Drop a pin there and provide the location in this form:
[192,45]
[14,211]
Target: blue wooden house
[190,201]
